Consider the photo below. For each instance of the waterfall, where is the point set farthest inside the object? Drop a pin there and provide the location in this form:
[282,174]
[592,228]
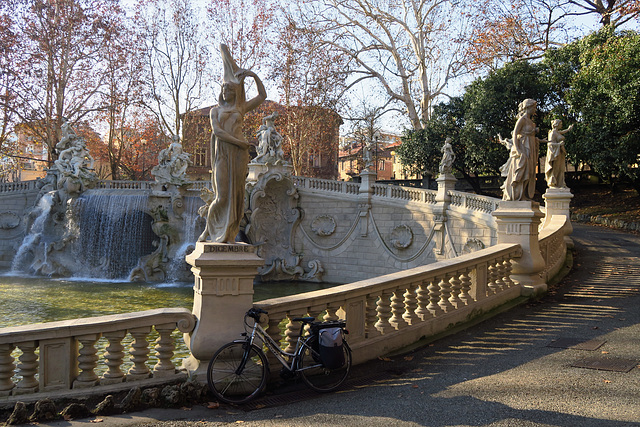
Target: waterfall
[189,234]
[114,233]
[34,235]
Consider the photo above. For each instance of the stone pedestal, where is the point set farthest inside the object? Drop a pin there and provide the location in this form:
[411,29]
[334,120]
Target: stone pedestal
[446,182]
[518,222]
[223,292]
[558,203]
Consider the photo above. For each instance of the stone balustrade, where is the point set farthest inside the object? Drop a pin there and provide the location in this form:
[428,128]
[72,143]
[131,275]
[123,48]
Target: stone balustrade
[20,186]
[388,312]
[63,356]
[404,193]
[473,202]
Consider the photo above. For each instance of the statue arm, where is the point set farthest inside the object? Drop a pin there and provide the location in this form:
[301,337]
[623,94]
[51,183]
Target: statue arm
[262,93]
[219,132]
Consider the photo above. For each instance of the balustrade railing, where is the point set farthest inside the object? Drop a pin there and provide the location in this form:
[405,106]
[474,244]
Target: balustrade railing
[553,249]
[397,309]
[13,187]
[64,355]
[474,202]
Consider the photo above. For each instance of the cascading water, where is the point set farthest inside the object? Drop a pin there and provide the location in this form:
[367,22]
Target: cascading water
[35,234]
[114,233]
[190,216]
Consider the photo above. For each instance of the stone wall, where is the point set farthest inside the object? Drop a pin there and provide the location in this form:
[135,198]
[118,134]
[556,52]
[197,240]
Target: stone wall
[16,200]
[355,240]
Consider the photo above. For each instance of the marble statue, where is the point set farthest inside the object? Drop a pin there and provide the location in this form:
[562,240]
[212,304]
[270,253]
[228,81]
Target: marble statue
[520,169]
[229,153]
[74,163]
[556,155]
[172,164]
[448,157]
[269,142]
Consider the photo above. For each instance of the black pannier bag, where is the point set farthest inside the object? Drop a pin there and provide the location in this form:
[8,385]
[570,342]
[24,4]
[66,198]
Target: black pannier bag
[330,343]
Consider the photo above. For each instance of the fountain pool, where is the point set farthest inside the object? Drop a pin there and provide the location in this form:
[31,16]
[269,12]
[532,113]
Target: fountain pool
[26,300]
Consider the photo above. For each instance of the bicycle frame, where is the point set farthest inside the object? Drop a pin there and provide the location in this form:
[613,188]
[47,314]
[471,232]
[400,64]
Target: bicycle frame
[273,347]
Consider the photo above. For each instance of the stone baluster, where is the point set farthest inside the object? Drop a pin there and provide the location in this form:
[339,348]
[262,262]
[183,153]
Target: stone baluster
[456,289]
[445,294]
[465,287]
[383,310]
[6,369]
[507,273]
[292,332]
[332,313]
[397,309]
[493,278]
[422,294]
[114,356]
[500,285]
[139,354]
[27,368]
[434,298]
[371,316]
[87,361]
[164,351]
[411,304]
[272,328]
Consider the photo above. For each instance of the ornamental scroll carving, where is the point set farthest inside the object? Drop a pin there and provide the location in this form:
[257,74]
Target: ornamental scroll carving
[273,215]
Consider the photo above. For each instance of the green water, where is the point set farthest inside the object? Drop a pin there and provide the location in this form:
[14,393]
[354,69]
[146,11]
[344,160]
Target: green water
[26,300]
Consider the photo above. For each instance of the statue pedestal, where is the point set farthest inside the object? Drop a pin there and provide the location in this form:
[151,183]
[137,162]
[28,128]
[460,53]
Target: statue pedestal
[518,222]
[257,170]
[223,292]
[446,182]
[558,203]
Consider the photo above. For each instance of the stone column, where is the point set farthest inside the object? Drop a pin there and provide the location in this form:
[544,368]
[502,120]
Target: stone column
[223,292]
[367,179]
[518,222]
[446,182]
[558,202]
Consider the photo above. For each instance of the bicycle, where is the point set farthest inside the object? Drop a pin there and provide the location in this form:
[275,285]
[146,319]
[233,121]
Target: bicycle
[238,371]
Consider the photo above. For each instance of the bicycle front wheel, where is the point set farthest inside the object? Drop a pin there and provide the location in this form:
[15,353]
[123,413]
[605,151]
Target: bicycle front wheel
[231,384]
[315,374]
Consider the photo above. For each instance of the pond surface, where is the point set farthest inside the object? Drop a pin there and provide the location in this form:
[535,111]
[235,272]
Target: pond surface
[26,300]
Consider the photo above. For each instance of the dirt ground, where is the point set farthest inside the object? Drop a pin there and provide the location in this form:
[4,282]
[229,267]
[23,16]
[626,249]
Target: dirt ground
[622,204]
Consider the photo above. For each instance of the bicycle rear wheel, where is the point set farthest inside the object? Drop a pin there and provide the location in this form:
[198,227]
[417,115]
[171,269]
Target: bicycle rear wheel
[317,376]
[231,386]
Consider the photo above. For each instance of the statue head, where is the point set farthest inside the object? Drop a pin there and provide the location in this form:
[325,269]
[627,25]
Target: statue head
[528,105]
[233,86]
[556,124]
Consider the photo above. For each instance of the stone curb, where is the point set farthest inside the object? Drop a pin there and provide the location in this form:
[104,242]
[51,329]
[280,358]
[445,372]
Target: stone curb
[609,222]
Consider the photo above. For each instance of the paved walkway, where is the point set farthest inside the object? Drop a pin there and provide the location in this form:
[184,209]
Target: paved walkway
[499,373]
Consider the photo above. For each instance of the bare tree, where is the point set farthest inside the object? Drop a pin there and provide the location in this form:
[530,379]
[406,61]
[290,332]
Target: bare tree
[176,55]
[611,12]
[245,26]
[412,48]
[60,66]
[123,92]
[310,84]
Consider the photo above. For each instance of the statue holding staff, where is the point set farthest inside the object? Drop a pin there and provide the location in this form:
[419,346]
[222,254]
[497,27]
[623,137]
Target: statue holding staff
[229,153]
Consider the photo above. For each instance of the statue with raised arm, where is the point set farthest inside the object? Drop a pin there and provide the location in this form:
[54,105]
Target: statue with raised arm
[520,169]
[448,157]
[556,155]
[229,153]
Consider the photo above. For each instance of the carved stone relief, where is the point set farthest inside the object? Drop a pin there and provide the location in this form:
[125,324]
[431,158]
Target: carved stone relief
[401,236]
[9,220]
[472,245]
[272,217]
[323,225]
